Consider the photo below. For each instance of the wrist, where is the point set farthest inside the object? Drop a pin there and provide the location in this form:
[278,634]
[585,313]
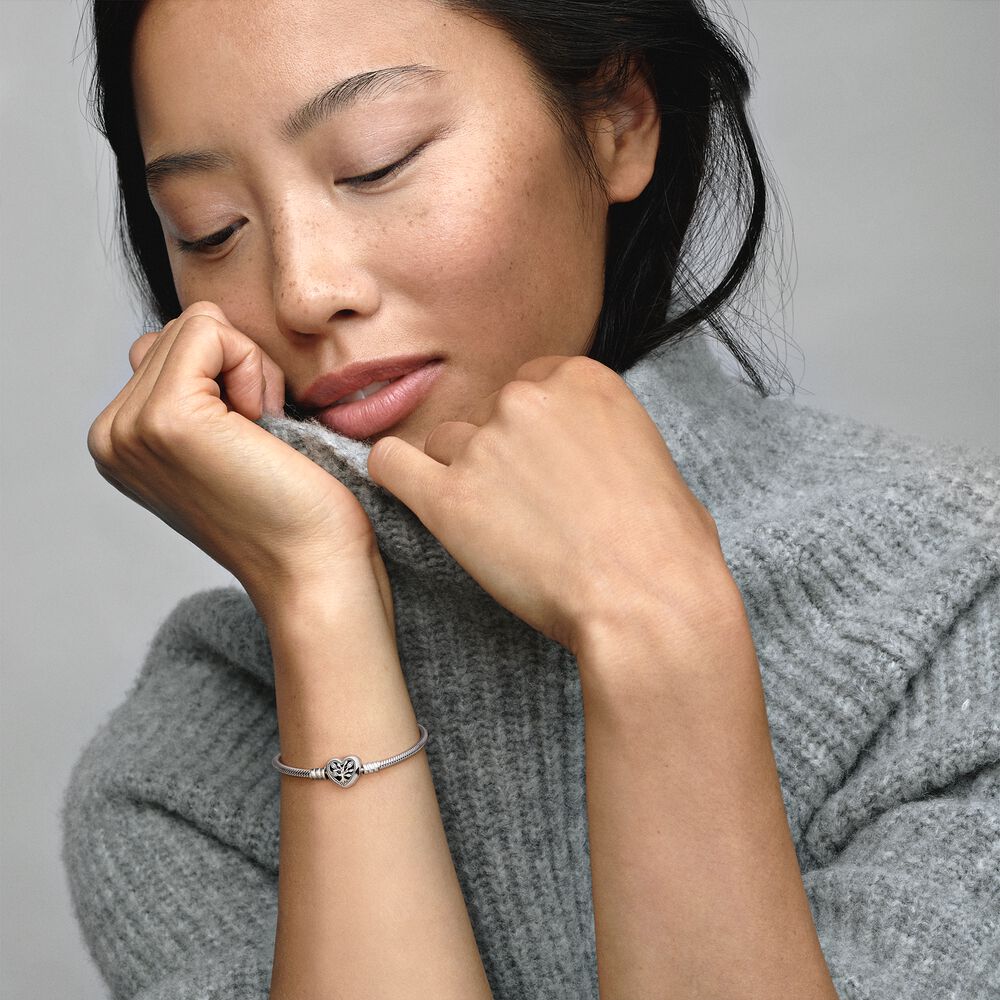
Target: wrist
[348,606]
[339,685]
[649,633]
[294,588]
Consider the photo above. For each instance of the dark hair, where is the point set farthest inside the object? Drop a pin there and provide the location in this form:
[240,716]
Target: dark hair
[581,53]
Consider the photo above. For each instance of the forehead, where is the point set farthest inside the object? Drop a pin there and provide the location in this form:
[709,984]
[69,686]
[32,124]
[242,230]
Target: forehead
[196,64]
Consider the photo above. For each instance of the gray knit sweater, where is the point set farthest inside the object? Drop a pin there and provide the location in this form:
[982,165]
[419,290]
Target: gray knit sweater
[869,564]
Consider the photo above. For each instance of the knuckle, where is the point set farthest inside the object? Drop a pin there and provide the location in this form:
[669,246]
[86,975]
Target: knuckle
[120,435]
[203,307]
[140,347]
[153,430]
[198,325]
[518,393]
[525,369]
[590,371]
[98,439]
[582,364]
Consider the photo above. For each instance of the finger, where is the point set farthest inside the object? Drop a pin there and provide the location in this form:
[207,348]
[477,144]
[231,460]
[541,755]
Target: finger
[147,353]
[272,377]
[206,353]
[133,394]
[540,368]
[204,307]
[448,439]
[142,345]
[274,386]
[139,348]
[146,356]
[484,409]
[481,411]
[407,473]
[535,370]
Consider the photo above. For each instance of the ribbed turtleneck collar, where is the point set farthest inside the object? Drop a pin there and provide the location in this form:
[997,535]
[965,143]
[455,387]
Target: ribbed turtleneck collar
[681,384]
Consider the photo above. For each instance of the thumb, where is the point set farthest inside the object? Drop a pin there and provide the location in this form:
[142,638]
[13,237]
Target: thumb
[407,473]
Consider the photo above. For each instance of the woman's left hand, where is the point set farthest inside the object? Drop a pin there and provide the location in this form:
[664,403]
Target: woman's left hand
[561,499]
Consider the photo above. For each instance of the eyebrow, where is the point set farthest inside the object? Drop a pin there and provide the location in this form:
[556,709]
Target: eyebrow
[369,85]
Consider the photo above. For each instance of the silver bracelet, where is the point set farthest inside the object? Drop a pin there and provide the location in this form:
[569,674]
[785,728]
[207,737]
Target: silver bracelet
[344,771]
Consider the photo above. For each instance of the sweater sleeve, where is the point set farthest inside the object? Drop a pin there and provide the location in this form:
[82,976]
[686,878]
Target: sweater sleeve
[169,821]
[906,894]
[168,912]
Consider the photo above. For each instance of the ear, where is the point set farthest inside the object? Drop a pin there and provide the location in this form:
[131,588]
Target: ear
[626,136]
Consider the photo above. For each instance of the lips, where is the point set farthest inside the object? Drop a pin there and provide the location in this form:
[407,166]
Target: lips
[360,375]
[364,393]
[365,398]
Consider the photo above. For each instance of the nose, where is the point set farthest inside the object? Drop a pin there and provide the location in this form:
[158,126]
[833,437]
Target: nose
[320,275]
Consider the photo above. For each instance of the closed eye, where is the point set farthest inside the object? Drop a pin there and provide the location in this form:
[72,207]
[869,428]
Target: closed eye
[206,242]
[381,174]
[217,239]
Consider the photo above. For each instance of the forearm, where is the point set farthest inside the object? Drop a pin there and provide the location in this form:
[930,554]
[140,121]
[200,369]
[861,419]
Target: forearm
[369,903]
[696,885]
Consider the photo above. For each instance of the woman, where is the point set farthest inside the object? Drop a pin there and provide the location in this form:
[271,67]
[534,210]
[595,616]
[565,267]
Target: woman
[560,551]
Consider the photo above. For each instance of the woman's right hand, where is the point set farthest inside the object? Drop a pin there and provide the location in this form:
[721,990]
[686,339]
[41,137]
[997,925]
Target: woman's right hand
[169,441]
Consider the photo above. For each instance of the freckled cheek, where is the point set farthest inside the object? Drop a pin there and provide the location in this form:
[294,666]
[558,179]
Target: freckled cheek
[243,293]
[481,251]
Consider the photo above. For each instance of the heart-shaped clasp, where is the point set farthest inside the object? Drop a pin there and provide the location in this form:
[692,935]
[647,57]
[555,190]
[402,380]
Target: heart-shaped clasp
[344,771]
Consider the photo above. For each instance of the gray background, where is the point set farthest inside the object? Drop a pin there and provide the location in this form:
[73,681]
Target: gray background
[881,121]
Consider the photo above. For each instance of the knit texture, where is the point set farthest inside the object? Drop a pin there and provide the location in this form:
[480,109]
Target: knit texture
[869,565]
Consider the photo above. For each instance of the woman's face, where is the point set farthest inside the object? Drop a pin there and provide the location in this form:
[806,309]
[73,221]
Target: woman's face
[485,249]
